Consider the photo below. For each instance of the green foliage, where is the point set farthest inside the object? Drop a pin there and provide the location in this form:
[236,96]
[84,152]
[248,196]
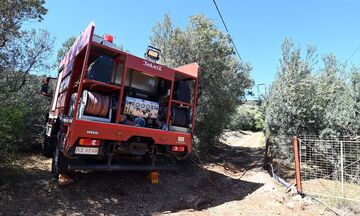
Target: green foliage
[11,129]
[305,100]
[22,116]
[14,13]
[11,122]
[223,79]
[29,52]
[22,52]
[247,118]
[259,120]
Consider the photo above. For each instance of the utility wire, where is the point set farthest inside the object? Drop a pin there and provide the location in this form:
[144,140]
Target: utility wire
[357,49]
[227,30]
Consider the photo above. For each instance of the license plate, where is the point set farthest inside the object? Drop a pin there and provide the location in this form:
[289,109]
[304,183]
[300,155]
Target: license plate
[86,150]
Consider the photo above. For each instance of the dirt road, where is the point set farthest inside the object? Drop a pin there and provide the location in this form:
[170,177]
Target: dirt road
[230,181]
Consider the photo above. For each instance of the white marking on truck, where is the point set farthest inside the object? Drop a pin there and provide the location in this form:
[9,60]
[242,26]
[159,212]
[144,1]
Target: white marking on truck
[151,65]
[181,139]
[86,150]
[92,132]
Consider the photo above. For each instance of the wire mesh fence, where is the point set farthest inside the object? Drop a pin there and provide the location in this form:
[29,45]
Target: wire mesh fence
[330,169]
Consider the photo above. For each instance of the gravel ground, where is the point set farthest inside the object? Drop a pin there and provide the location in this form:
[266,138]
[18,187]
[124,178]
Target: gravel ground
[230,181]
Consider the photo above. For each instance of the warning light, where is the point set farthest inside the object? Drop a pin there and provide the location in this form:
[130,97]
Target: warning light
[108,38]
[89,142]
[177,148]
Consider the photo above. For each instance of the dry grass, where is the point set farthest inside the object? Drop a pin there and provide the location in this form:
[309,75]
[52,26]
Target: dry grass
[330,191]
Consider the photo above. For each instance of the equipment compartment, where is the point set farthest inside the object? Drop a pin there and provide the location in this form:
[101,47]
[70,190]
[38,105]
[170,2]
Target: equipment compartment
[141,108]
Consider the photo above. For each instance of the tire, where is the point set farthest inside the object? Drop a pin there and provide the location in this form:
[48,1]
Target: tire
[59,161]
[47,147]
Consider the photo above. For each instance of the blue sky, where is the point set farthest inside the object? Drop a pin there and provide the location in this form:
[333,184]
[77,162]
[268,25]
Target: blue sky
[258,27]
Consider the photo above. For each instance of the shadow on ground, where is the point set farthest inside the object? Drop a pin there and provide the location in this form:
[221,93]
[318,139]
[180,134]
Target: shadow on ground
[235,158]
[24,191]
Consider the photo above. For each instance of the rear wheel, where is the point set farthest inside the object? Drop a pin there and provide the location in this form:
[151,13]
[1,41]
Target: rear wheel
[47,147]
[59,161]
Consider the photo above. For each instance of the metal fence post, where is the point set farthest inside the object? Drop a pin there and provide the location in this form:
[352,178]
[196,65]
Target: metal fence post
[297,165]
[342,167]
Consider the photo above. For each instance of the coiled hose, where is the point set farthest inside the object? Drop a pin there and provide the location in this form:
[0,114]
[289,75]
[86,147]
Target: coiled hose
[96,104]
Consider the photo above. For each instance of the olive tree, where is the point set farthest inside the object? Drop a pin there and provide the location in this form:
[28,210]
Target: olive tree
[223,79]
[320,100]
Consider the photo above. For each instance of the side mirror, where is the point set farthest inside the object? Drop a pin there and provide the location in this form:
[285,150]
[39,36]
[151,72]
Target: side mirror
[47,86]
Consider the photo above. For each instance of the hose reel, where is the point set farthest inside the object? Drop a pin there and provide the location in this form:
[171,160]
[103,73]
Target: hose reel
[95,106]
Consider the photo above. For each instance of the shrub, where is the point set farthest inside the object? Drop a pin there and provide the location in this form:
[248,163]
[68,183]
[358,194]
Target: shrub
[247,118]
[22,118]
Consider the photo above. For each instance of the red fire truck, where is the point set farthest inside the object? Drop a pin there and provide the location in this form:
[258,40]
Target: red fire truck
[111,110]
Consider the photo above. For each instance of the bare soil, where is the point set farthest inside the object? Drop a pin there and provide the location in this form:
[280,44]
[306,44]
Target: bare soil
[229,181]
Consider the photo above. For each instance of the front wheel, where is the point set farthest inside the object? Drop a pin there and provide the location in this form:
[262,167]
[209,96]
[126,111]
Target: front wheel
[59,161]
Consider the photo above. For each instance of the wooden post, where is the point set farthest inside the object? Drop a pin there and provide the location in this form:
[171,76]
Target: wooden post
[297,165]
